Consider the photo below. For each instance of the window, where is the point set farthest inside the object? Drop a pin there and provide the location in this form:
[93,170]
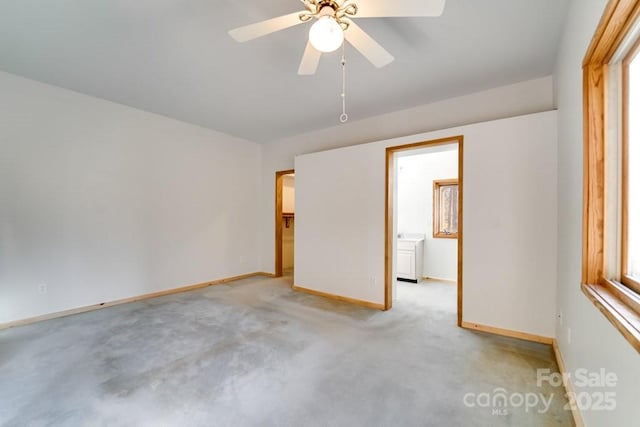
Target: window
[445,208]
[631,174]
[611,213]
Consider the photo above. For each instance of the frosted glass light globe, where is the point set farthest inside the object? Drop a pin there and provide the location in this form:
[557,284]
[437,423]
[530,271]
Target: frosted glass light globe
[326,34]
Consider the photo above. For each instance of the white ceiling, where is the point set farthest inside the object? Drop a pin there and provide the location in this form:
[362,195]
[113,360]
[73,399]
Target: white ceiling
[175,58]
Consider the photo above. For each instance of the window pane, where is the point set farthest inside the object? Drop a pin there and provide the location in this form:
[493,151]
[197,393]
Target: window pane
[633,194]
[445,209]
[449,209]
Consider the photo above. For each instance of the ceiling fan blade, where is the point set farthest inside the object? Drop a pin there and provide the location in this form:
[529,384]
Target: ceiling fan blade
[310,60]
[399,8]
[259,29]
[367,46]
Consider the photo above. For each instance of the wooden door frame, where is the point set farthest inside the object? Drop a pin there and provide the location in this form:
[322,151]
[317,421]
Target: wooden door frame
[278,217]
[389,196]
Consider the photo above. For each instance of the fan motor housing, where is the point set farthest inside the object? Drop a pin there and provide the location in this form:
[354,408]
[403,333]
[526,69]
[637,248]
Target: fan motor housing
[324,3]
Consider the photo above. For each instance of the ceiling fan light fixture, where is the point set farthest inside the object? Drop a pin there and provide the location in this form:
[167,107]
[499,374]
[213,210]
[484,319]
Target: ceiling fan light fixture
[326,35]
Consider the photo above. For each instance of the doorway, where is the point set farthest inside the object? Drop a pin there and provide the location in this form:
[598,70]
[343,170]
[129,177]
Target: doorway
[284,222]
[407,248]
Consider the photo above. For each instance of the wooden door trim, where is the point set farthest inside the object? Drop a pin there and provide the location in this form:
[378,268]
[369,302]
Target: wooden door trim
[278,221]
[388,226]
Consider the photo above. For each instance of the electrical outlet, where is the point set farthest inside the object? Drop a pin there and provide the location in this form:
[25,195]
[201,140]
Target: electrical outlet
[42,288]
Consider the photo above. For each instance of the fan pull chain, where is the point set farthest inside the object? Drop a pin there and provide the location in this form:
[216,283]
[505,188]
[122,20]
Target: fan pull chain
[344,117]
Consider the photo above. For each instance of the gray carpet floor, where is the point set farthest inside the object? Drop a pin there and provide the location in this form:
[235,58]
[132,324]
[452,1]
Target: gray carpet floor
[256,353]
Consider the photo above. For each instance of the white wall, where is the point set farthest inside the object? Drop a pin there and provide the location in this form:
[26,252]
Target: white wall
[416,174]
[509,197]
[595,343]
[507,101]
[101,201]
[340,222]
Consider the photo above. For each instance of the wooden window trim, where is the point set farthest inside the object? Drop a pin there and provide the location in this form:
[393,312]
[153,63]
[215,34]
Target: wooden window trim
[436,208]
[629,282]
[619,304]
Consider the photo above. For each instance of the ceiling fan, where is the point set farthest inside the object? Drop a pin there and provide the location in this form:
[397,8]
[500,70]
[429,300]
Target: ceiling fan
[334,23]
